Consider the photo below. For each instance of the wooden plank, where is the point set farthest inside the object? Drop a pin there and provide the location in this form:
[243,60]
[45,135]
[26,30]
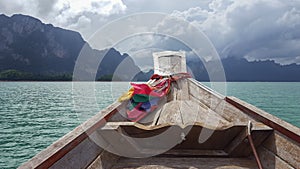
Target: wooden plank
[64,145]
[206,95]
[183,90]
[175,163]
[280,125]
[192,112]
[115,125]
[104,161]
[197,137]
[156,117]
[212,119]
[171,114]
[151,136]
[129,141]
[285,148]
[183,138]
[270,161]
[199,93]
[232,114]
[79,157]
[121,113]
[244,149]
[194,153]
[195,100]
[173,94]
[229,113]
[189,111]
[216,103]
[118,143]
[236,141]
[240,147]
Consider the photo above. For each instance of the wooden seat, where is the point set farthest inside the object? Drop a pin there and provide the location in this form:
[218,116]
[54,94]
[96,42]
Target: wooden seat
[240,147]
[199,163]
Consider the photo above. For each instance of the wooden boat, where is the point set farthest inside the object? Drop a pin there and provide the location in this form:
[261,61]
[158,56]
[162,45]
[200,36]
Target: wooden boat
[194,127]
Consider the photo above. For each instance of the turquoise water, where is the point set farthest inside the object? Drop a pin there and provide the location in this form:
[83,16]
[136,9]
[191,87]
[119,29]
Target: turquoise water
[35,114]
[281,99]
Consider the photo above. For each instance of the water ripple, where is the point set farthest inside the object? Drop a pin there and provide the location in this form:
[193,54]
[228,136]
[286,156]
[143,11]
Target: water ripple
[35,114]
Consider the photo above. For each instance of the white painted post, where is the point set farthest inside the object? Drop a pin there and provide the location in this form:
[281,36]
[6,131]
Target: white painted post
[169,62]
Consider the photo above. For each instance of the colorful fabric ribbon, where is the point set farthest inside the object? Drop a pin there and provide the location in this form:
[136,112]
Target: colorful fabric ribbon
[144,98]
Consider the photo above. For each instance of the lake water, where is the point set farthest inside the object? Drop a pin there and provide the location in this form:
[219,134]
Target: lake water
[35,114]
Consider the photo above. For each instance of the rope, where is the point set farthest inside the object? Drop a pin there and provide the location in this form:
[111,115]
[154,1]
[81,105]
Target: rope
[252,145]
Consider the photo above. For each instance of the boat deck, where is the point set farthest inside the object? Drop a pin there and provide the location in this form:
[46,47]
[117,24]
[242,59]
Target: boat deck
[191,103]
[186,118]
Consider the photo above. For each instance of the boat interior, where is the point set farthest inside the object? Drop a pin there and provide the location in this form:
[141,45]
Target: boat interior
[191,123]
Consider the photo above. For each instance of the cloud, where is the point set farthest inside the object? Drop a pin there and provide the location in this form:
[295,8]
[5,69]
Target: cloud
[69,14]
[141,46]
[71,8]
[45,6]
[85,16]
[18,6]
[258,29]
[165,6]
[82,23]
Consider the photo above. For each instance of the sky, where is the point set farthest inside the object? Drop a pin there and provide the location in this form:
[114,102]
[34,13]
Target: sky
[255,30]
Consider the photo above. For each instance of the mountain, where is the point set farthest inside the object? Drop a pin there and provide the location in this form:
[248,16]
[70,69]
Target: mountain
[32,49]
[239,69]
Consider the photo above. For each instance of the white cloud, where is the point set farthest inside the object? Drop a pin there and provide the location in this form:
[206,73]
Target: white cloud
[70,14]
[165,6]
[18,6]
[258,29]
[83,23]
[71,8]
[84,15]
